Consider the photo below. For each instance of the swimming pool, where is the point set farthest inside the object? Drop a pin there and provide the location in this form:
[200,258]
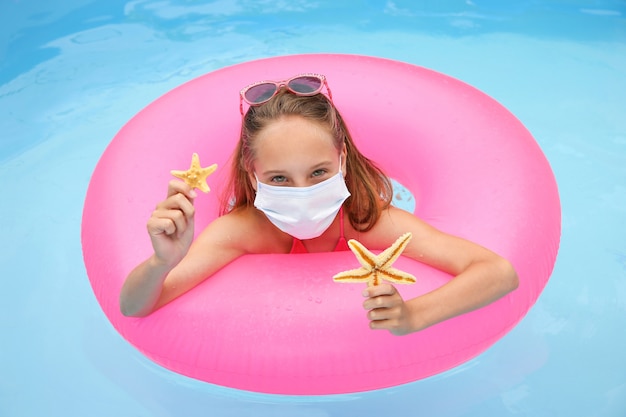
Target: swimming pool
[73,72]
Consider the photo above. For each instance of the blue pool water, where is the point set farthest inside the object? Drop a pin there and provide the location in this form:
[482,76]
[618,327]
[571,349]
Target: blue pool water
[72,72]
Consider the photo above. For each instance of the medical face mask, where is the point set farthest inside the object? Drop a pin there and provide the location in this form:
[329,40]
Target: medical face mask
[302,212]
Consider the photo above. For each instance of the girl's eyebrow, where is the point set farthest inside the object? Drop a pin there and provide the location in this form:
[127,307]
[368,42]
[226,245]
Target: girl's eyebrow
[274,172]
[322,164]
[283,172]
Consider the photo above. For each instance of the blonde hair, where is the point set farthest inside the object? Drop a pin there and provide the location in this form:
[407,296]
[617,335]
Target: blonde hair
[371,190]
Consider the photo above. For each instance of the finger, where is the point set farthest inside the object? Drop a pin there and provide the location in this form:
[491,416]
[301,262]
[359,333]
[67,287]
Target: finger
[388,297]
[179,186]
[158,226]
[378,325]
[179,219]
[168,222]
[378,290]
[390,325]
[388,319]
[382,301]
[180,202]
[382,314]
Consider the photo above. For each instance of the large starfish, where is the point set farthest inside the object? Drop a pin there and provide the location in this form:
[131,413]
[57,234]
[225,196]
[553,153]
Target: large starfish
[196,176]
[377,267]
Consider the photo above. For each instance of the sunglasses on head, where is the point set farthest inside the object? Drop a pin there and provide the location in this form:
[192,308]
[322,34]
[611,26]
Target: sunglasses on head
[300,85]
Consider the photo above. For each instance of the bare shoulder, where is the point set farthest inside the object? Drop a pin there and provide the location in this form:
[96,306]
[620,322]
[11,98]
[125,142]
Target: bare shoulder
[394,222]
[243,231]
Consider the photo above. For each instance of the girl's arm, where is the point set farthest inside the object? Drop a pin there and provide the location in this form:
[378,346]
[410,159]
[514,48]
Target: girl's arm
[177,265]
[480,277]
[154,283]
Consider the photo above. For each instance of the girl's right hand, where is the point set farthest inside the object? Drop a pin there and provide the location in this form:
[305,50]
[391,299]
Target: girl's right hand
[171,226]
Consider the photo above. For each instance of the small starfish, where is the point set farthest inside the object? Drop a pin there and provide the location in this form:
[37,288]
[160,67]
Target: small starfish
[196,176]
[377,267]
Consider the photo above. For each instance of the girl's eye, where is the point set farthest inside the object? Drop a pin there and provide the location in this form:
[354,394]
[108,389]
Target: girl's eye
[279,179]
[318,172]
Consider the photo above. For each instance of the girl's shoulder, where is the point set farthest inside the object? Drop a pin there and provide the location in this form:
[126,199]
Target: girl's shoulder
[392,223]
[247,230]
[392,215]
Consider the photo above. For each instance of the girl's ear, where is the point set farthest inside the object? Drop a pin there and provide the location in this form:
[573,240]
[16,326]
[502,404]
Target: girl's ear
[344,160]
[252,179]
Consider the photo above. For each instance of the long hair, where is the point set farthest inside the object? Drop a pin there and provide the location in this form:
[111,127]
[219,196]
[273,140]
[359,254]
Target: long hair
[371,190]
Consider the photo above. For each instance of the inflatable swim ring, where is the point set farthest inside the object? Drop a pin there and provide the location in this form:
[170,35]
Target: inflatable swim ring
[278,323]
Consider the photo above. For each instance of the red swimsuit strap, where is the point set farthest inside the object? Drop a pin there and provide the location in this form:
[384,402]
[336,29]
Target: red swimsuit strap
[298,247]
[341,243]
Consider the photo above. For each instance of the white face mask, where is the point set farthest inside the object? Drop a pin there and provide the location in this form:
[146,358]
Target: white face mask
[303,212]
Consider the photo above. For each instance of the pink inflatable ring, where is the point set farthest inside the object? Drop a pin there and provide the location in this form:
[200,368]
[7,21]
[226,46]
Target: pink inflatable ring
[278,323]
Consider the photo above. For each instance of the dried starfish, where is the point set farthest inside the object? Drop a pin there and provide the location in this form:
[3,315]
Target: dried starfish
[196,176]
[377,267]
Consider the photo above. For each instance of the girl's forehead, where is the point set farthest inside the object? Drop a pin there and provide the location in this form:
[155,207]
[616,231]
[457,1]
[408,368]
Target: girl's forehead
[292,146]
[293,136]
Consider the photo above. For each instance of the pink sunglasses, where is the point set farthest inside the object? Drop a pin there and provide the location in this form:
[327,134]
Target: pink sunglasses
[300,85]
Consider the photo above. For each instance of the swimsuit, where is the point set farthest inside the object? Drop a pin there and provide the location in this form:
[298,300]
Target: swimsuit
[298,247]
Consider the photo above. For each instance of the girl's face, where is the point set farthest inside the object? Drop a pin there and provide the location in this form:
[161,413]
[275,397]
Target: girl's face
[295,152]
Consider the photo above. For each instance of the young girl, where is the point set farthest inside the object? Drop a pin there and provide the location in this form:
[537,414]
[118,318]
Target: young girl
[299,184]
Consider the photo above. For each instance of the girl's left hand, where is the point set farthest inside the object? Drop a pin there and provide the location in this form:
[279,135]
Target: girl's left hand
[387,309]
